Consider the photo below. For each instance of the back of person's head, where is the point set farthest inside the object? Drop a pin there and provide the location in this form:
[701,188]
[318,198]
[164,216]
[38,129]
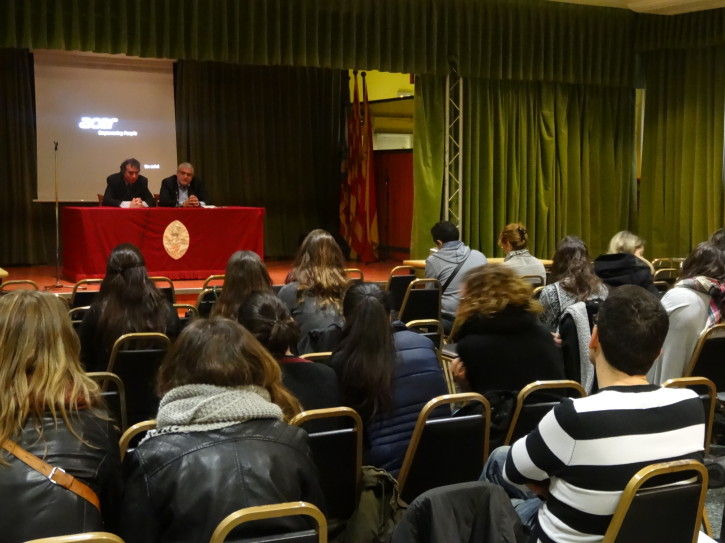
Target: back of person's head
[319,268]
[245,274]
[705,260]
[515,235]
[573,268]
[126,274]
[219,351]
[632,326]
[625,242]
[367,350]
[718,239]
[444,231]
[266,316]
[40,370]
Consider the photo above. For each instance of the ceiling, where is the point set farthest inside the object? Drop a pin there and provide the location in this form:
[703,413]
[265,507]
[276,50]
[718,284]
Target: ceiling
[657,7]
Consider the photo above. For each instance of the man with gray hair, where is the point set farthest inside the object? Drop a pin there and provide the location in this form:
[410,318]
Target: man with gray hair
[182,189]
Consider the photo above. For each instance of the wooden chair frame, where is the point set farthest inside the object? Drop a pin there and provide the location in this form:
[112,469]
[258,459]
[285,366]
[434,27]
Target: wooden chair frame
[84,284]
[317,357]
[541,279]
[418,284]
[535,387]
[716,331]
[117,346]
[28,282]
[689,382]
[271,511]
[644,475]
[211,279]
[102,378]
[350,273]
[87,537]
[446,399]
[133,431]
[170,284]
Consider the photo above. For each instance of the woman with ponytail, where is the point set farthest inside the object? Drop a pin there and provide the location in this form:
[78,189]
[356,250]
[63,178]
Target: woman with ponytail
[387,373]
[514,240]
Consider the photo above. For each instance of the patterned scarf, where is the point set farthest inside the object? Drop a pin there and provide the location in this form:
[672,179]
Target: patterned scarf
[714,289]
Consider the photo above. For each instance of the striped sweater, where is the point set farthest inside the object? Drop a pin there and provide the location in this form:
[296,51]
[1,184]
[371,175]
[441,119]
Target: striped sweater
[590,447]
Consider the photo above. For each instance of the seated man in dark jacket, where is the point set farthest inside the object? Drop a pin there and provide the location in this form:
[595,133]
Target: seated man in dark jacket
[182,189]
[127,188]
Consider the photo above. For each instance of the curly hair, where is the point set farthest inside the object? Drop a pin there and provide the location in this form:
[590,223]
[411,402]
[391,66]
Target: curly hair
[514,234]
[319,268]
[491,288]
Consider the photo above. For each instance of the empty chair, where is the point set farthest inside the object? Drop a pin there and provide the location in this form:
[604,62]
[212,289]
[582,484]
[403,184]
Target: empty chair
[648,511]
[166,287]
[262,512]
[82,295]
[531,406]
[400,278]
[113,393]
[667,262]
[88,537]
[422,300]
[708,394]
[447,450]
[131,436]
[708,356]
[338,456]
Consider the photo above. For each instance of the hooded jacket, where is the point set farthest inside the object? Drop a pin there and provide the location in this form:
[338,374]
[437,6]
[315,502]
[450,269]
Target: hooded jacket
[441,264]
[624,269]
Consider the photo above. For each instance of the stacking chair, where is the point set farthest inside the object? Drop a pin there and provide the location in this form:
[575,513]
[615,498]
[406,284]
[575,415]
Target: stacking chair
[429,328]
[317,357]
[261,512]
[530,409]
[651,508]
[708,356]
[88,537]
[534,280]
[19,284]
[81,296]
[190,313]
[422,300]
[668,275]
[206,300]
[129,437]
[76,316]
[217,279]
[536,293]
[445,451]
[708,394]
[166,286]
[135,358]
[355,275]
[338,456]
[400,278]
[113,393]
[667,262]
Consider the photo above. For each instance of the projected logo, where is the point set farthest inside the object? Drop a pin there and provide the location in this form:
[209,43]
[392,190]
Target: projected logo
[104,126]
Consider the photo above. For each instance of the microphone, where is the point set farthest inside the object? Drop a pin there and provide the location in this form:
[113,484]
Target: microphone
[55,145]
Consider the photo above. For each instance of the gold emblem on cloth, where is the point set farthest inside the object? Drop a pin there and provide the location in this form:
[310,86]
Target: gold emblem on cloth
[176,239]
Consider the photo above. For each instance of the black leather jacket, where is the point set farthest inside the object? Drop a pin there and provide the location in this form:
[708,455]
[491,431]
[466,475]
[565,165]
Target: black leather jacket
[32,507]
[179,486]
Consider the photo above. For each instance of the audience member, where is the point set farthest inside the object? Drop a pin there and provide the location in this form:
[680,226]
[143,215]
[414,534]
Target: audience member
[448,264]
[584,451]
[221,442]
[624,263]
[183,189]
[387,373]
[574,281]
[265,316]
[55,413]
[318,282]
[718,239]
[696,302]
[245,274]
[514,240]
[127,302]
[127,188]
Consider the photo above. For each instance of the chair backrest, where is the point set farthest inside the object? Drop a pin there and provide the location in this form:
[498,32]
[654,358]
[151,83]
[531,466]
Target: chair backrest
[189,313]
[531,407]
[354,274]
[19,284]
[113,393]
[338,456]
[400,278]
[76,315]
[668,275]
[704,388]
[127,441]
[262,512]
[534,280]
[422,300]
[536,293]
[218,279]
[80,295]
[317,357]
[445,451]
[206,300]
[429,328]
[673,512]
[88,537]
[135,358]
[708,355]
[166,286]
[667,262]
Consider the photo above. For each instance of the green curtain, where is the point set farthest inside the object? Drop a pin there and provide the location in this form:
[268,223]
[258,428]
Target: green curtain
[686,31]
[264,136]
[22,238]
[682,166]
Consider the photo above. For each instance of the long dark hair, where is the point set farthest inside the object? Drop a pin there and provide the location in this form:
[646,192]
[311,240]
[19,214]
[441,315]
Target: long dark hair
[367,350]
[706,259]
[270,321]
[573,268]
[245,273]
[128,300]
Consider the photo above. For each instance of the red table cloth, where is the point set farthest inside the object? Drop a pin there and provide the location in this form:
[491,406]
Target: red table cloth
[178,243]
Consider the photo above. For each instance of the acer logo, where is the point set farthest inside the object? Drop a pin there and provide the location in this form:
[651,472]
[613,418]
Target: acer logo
[97,123]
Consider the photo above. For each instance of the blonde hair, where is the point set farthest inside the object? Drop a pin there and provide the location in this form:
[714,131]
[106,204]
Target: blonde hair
[40,370]
[514,234]
[625,242]
[491,288]
[319,268]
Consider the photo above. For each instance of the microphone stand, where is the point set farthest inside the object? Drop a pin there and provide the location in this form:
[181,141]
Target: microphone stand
[57,283]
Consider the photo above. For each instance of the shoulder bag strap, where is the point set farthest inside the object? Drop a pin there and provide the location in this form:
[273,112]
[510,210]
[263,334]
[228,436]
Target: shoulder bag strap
[55,475]
[455,271]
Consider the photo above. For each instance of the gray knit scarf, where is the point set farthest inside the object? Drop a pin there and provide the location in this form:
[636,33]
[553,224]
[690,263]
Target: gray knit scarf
[200,408]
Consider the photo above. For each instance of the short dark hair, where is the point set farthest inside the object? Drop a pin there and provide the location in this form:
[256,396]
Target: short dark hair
[130,162]
[444,231]
[632,327]
[706,259]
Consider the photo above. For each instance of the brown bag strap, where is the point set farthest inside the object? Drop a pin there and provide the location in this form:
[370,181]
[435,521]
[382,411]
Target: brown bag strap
[55,475]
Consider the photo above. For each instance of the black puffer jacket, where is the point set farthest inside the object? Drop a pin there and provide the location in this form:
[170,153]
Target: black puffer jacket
[32,507]
[620,269]
[180,485]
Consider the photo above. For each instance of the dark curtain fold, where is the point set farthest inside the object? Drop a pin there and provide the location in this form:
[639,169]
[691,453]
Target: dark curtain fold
[263,136]
[686,31]
[21,228]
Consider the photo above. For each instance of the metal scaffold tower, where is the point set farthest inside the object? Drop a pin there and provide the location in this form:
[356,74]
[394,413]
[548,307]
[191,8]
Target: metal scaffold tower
[453,164]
